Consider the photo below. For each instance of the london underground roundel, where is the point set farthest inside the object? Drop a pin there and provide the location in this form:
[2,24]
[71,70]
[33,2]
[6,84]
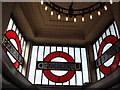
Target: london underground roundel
[12,35]
[108,69]
[53,77]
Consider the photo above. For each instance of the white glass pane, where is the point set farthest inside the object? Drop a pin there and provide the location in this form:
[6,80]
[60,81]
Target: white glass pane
[79,78]
[11,57]
[84,65]
[40,53]
[66,83]
[10,24]
[102,75]
[58,83]
[38,76]
[77,55]
[47,51]
[65,49]
[17,31]
[103,35]
[14,43]
[98,74]
[44,80]
[51,83]
[59,48]
[33,64]
[119,63]
[20,68]
[97,45]
[22,42]
[100,40]
[53,48]
[109,62]
[112,30]
[20,36]
[23,50]
[72,80]
[95,53]
[108,32]
[107,46]
[14,27]
[71,52]
[117,30]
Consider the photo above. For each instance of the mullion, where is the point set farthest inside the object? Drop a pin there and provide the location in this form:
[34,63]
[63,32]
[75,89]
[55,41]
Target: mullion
[42,70]
[62,51]
[97,57]
[75,71]
[115,30]
[36,62]
[50,52]
[12,25]
[81,64]
[56,51]
[68,53]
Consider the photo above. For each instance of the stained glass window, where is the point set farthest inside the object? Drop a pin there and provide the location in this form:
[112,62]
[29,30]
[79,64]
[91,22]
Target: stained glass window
[106,52]
[56,65]
[14,45]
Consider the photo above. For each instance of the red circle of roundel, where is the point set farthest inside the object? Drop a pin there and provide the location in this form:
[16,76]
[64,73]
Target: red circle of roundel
[10,35]
[53,77]
[113,66]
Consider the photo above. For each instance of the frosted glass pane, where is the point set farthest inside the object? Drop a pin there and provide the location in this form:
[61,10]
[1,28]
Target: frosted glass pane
[72,80]
[40,53]
[65,49]
[102,75]
[33,64]
[51,83]
[77,55]
[97,45]
[17,31]
[14,27]
[66,83]
[47,51]
[95,53]
[22,42]
[71,52]
[79,77]
[23,50]
[20,36]
[59,48]
[38,77]
[112,30]
[84,65]
[118,34]
[11,57]
[103,35]
[44,80]
[10,24]
[58,83]
[100,40]
[53,48]
[108,32]
[20,68]
[98,74]
[14,43]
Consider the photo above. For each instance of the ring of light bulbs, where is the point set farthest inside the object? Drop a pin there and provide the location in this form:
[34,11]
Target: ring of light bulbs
[75,12]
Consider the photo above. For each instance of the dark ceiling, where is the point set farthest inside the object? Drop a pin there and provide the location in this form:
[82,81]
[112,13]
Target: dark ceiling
[40,27]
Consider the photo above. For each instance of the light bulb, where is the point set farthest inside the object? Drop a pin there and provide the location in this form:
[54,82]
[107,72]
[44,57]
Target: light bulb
[111,2]
[105,7]
[66,18]
[83,19]
[46,8]
[42,2]
[91,17]
[58,16]
[75,19]
[52,12]
[99,13]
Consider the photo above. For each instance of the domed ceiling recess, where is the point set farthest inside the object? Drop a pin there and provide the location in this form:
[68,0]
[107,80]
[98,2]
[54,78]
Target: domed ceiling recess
[73,23]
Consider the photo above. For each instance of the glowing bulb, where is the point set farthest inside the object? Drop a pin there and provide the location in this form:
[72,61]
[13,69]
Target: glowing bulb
[42,2]
[52,12]
[91,17]
[58,16]
[99,13]
[111,2]
[46,8]
[105,7]
[75,19]
[83,19]
[66,18]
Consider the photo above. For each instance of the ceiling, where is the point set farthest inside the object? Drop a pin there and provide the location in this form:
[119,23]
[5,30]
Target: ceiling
[40,27]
